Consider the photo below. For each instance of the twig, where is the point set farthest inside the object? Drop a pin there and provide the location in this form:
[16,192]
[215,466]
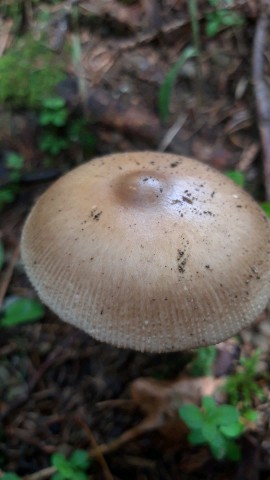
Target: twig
[150,423]
[99,450]
[261,90]
[38,375]
[99,455]
[41,474]
[8,274]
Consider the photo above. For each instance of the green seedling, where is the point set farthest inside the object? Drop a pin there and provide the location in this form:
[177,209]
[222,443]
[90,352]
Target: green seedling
[73,468]
[60,130]
[202,364]
[221,17]
[20,310]
[217,426]
[52,143]
[53,116]
[14,164]
[241,387]
[166,88]
[54,112]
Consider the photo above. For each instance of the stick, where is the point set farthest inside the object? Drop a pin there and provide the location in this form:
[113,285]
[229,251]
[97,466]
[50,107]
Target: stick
[261,90]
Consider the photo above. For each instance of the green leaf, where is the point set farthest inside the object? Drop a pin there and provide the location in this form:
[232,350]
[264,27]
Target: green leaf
[6,196]
[209,405]
[58,476]
[167,86]
[14,161]
[63,466]
[2,255]
[250,415]
[78,475]
[226,415]
[54,103]
[211,433]
[21,310]
[196,437]
[56,118]
[60,119]
[237,177]
[232,431]
[192,416]
[218,450]
[202,364]
[80,459]
[10,476]
[231,19]
[233,451]
[212,25]
[266,208]
[58,460]
[52,143]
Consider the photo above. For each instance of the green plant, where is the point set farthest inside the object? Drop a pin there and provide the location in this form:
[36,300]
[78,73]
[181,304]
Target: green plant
[60,129]
[52,143]
[218,426]
[237,177]
[242,387]
[54,112]
[10,476]
[20,310]
[202,363]
[73,468]
[266,208]
[166,88]
[14,164]
[29,73]
[221,17]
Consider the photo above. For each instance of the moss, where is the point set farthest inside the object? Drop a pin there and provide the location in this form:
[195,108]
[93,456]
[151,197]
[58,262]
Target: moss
[28,74]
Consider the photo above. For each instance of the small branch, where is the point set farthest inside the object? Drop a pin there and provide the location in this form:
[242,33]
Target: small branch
[41,474]
[261,90]
[8,274]
[99,455]
[37,377]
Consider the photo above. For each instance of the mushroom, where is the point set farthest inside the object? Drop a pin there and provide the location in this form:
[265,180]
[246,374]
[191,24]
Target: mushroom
[150,251]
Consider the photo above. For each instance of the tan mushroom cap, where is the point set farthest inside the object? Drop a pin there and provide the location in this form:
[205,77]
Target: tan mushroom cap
[151,251]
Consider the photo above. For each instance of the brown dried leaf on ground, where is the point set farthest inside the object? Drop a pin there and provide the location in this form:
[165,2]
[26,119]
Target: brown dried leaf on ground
[163,398]
[159,401]
[131,16]
[131,119]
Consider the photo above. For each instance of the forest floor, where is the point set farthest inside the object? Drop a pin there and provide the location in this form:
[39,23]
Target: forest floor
[60,390]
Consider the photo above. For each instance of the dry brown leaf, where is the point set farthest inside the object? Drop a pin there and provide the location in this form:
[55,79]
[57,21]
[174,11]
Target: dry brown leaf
[128,15]
[165,397]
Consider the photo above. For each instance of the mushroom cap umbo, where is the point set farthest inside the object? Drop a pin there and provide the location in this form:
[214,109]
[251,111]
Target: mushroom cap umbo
[150,251]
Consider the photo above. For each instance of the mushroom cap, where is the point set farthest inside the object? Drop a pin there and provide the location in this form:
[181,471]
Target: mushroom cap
[150,251]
